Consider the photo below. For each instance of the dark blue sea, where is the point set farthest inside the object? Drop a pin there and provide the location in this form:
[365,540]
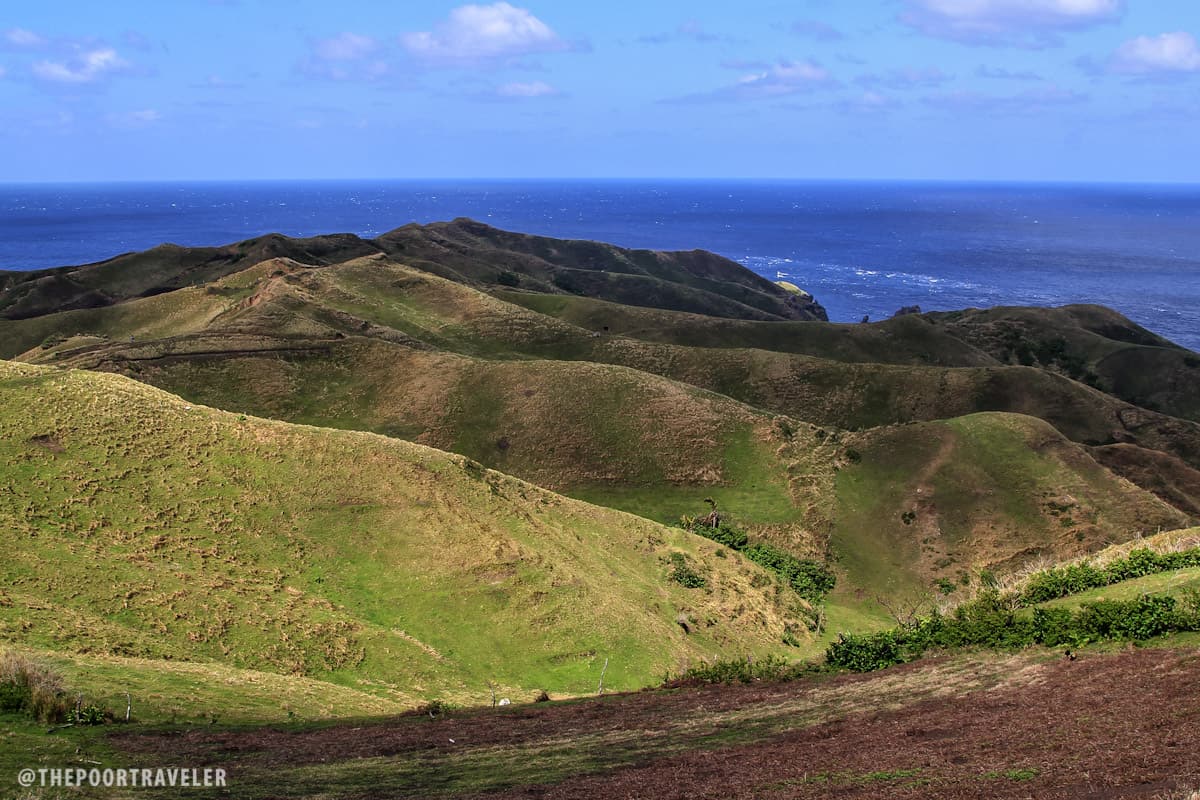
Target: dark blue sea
[861,248]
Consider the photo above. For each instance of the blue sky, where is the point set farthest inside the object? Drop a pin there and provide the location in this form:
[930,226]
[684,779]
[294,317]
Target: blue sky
[1094,90]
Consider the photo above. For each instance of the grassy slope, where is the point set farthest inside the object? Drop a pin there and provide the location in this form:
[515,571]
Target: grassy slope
[1087,343]
[811,371]
[602,432]
[373,298]
[627,438]
[1171,583]
[903,340]
[687,281]
[143,526]
[1091,343]
[982,490]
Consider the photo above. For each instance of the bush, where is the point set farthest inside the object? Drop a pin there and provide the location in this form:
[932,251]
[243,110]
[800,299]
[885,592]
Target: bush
[507,278]
[810,580]
[30,687]
[87,715]
[865,652]
[1054,583]
[731,537]
[1054,626]
[1063,581]
[684,575]
[1143,618]
[737,670]
[989,622]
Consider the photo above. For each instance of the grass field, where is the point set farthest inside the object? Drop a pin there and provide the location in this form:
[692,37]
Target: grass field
[147,527]
[267,558]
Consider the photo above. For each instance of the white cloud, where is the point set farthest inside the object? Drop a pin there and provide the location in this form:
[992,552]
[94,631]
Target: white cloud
[1166,53]
[1004,74]
[868,102]
[216,82]
[475,33]
[345,57]
[776,80]
[521,90]
[345,47]
[88,67]
[19,37]
[1029,23]
[68,60]
[786,77]
[690,30]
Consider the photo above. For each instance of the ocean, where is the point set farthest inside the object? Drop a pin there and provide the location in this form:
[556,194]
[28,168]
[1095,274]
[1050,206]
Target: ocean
[863,249]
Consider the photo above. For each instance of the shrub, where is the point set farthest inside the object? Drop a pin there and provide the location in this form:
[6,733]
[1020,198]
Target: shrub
[1063,581]
[507,278]
[1142,618]
[1054,626]
[684,575]
[737,670]
[30,687]
[87,715]
[733,538]
[810,580]
[991,622]
[1054,583]
[433,709]
[865,652]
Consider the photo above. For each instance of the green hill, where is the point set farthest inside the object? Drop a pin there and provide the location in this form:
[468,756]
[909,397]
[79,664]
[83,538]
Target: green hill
[465,250]
[651,409]
[143,526]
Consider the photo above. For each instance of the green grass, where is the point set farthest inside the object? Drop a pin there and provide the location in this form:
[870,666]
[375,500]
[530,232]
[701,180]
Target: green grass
[754,493]
[1174,583]
[147,527]
[179,692]
[942,500]
[1018,774]
[568,405]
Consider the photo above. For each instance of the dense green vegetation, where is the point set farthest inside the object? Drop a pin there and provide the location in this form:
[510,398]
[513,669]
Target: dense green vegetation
[989,623]
[809,579]
[996,619]
[1071,579]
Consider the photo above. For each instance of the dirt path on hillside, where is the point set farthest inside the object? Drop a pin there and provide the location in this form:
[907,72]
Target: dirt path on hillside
[1105,726]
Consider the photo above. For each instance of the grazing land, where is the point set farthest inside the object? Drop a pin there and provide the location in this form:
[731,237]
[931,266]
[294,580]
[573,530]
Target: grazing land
[360,518]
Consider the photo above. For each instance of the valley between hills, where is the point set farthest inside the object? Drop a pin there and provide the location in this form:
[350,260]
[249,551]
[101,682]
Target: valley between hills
[337,496]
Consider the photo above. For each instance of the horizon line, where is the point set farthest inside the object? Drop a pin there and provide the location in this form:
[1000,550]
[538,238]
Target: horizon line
[607,179]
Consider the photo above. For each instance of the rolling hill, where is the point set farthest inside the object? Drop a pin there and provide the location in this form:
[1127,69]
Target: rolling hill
[301,483]
[143,526]
[819,437]
[633,417]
